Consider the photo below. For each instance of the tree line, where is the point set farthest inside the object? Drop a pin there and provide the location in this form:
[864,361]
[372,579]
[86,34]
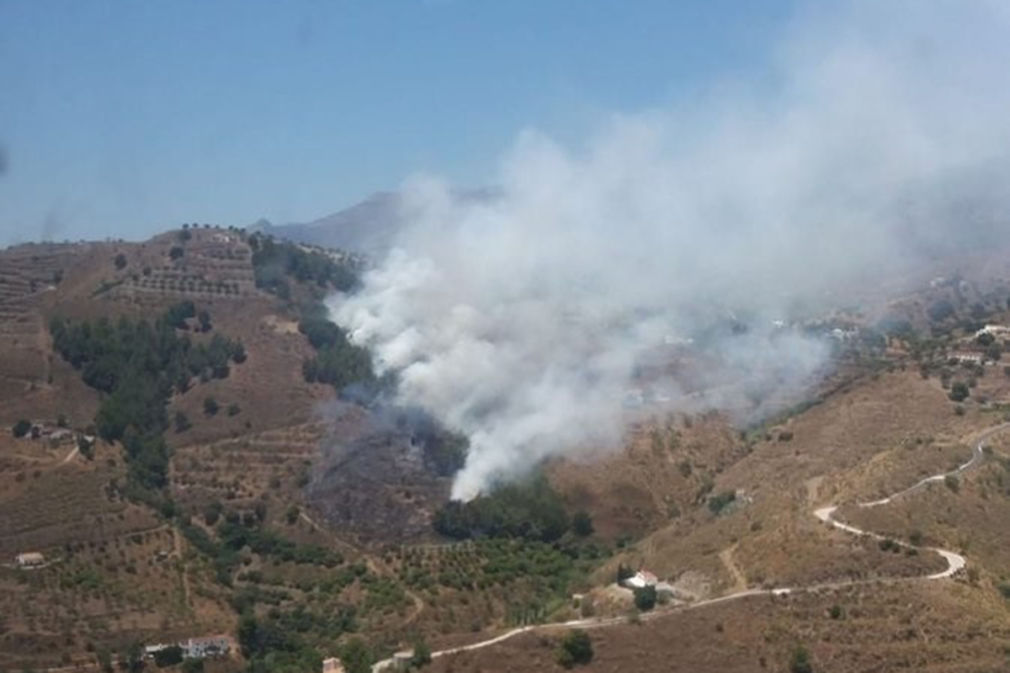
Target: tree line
[137,365]
[274,261]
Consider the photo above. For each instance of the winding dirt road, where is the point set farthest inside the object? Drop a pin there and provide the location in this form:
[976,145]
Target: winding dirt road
[955,563]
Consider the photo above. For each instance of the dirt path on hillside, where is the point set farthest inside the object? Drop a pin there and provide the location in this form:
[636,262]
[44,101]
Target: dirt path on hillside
[70,456]
[955,562]
[177,546]
[739,579]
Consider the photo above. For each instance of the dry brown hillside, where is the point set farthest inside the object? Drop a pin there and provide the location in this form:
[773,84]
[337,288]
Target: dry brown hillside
[314,518]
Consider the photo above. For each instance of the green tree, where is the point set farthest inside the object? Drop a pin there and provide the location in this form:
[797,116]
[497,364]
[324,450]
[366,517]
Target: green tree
[134,661]
[120,261]
[582,524]
[104,660]
[959,392]
[645,598]
[422,654]
[212,512]
[176,252]
[952,482]
[21,428]
[576,648]
[86,447]
[717,503]
[168,656]
[356,657]
[799,662]
[182,423]
[203,317]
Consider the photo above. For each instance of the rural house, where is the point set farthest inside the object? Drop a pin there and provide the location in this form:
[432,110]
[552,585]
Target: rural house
[31,559]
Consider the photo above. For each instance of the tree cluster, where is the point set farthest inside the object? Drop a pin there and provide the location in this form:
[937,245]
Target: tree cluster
[576,648]
[338,362]
[137,364]
[530,510]
[274,261]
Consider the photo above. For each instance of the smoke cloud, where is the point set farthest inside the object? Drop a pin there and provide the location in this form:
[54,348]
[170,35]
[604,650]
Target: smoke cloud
[527,319]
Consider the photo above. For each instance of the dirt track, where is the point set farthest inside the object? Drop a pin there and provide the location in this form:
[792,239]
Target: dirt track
[955,562]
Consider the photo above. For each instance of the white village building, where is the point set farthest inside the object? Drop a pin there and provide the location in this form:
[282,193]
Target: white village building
[640,580]
[994,330]
[30,559]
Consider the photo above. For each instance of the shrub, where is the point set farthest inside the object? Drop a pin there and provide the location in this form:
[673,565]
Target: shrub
[356,657]
[176,252]
[952,482]
[212,512]
[168,656]
[835,611]
[21,428]
[887,544]
[210,406]
[959,392]
[422,654]
[799,662]
[718,503]
[582,524]
[576,649]
[182,423]
[120,261]
[234,409]
[645,598]
[87,448]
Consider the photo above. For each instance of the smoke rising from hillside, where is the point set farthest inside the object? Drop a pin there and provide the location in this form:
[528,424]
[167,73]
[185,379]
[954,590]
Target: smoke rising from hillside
[521,320]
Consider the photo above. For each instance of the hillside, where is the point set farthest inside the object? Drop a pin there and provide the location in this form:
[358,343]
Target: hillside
[245,495]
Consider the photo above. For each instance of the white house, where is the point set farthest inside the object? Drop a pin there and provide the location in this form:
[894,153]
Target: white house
[151,650]
[31,559]
[968,357]
[201,648]
[640,580]
[995,330]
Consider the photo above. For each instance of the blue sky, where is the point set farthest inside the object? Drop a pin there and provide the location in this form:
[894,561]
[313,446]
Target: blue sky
[125,118]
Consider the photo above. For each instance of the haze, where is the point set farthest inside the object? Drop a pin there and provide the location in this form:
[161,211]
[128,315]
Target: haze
[520,320]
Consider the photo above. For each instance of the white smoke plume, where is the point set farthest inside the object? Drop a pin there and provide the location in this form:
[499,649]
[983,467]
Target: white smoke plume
[521,320]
